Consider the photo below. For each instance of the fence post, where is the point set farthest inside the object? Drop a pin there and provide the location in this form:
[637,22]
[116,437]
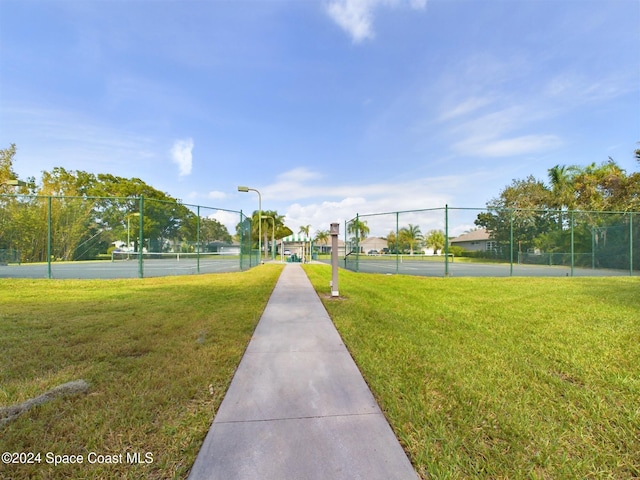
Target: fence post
[141,239]
[242,242]
[49,239]
[346,254]
[357,242]
[572,249]
[630,243]
[593,247]
[511,243]
[198,240]
[446,240]
[397,245]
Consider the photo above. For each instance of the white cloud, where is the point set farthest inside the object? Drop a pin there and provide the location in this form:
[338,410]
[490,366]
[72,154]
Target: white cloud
[493,134]
[310,201]
[503,132]
[427,216]
[492,147]
[298,174]
[299,182]
[307,197]
[356,16]
[226,218]
[215,195]
[465,107]
[573,89]
[181,155]
[321,215]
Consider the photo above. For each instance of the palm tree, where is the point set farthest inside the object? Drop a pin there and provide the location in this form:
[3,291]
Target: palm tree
[359,229]
[304,230]
[412,235]
[561,178]
[322,236]
[267,225]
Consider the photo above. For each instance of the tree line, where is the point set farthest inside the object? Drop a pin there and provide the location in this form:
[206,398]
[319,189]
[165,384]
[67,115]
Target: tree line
[85,214]
[579,208]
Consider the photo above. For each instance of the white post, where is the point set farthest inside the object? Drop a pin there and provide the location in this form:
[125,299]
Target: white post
[334,231]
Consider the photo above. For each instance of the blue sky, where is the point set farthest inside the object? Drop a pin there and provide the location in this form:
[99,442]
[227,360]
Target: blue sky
[329,108]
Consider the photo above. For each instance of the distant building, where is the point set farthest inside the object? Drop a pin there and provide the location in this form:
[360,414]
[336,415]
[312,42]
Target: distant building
[475,241]
[299,245]
[223,247]
[371,244]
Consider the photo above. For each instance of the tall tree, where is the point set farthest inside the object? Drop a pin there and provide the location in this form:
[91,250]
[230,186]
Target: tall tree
[322,237]
[277,225]
[603,187]
[592,192]
[6,167]
[519,205]
[412,236]
[561,179]
[435,239]
[281,229]
[359,229]
[392,242]
[304,230]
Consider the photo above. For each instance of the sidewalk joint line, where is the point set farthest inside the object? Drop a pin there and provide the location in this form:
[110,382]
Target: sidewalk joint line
[310,417]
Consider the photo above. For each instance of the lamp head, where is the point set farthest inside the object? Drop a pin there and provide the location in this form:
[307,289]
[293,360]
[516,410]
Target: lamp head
[15,183]
[243,189]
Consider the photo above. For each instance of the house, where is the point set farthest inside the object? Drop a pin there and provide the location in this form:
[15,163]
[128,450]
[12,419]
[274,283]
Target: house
[325,247]
[475,241]
[370,244]
[223,247]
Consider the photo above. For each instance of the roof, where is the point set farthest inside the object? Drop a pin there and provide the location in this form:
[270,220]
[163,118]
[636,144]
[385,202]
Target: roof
[473,236]
[296,238]
[373,241]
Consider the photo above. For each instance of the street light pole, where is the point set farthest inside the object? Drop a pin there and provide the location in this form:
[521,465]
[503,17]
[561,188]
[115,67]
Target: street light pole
[246,189]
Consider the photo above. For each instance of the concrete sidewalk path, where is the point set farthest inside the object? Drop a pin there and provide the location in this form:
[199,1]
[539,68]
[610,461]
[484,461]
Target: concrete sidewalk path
[297,407]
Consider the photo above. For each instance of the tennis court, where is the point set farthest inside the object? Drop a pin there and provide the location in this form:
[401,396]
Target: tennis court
[435,267]
[129,266]
[118,237]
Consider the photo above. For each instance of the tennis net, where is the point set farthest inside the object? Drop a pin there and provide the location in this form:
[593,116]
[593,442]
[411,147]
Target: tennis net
[173,256]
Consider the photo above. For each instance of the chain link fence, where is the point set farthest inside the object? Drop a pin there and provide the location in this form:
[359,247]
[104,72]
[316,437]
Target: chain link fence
[118,237]
[480,242]
[124,237]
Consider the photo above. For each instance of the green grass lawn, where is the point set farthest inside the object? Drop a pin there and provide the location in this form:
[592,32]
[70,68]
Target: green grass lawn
[158,354]
[500,377]
[479,377]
